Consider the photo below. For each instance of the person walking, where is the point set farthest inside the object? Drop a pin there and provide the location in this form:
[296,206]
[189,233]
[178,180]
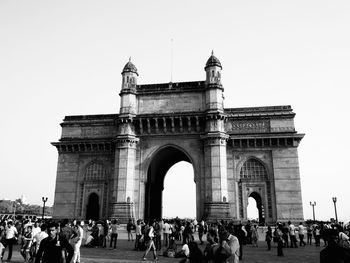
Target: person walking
[148,237]
[52,249]
[10,239]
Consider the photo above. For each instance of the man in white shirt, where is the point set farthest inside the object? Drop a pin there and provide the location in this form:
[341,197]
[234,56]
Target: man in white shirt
[166,233]
[301,230]
[36,229]
[40,236]
[293,239]
[10,238]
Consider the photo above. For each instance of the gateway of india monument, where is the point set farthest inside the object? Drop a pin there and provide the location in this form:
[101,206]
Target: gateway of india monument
[113,165]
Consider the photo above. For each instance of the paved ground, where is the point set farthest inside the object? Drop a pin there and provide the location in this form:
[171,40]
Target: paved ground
[124,253]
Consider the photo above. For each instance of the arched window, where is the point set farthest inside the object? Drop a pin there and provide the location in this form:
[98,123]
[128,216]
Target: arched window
[95,171]
[253,170]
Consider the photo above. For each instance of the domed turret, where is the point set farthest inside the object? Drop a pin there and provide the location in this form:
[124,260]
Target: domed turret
[213,62]
[128,90]
[213,69]
[130,67]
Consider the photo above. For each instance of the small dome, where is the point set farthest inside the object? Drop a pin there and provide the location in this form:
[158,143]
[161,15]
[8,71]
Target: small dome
[130,67]
[213,61]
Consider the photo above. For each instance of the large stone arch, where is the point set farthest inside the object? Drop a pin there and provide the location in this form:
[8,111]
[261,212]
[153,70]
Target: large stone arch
[159,163]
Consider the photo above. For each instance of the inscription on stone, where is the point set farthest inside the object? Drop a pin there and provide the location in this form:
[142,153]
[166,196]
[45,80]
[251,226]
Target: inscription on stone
[248,126]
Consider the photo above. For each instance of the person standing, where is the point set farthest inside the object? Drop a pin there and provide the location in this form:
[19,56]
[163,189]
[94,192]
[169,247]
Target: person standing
[76,241]
[166,233]
[301,231]
[293,239]
[255,236]
[129,228]
[157,235]
[10,239]
[27,243]
[201,231]
[138,232]
[309,234]
[39,237]
[52,249]
[268,237]
[114,234]
[279,237]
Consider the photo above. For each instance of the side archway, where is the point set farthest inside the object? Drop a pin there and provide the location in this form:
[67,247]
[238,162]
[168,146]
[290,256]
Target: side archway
[94,191]
[93,207]
[254,182]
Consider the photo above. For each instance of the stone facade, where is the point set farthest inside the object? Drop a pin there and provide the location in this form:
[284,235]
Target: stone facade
[114,165]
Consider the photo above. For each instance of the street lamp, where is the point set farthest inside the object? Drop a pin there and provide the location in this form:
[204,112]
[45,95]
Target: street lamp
[313,208]
[335,208]
[44,201]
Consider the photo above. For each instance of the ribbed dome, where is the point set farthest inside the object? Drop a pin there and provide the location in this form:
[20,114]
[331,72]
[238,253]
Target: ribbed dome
[213,61]
[130,67]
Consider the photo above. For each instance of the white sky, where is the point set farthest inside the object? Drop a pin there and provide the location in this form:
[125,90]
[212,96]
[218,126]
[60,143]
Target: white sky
[62,58]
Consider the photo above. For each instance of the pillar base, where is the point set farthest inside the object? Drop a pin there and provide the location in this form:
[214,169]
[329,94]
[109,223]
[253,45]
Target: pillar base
[123,211]
[214,211]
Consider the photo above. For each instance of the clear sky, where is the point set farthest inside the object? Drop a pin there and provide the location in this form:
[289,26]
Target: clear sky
[62,58]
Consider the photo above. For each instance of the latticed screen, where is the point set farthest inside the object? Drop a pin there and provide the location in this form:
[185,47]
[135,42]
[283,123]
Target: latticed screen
[96,172]
[253,169]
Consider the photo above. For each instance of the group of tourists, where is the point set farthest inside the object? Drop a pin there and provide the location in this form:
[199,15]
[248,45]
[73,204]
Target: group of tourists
[47,241]
[41,241]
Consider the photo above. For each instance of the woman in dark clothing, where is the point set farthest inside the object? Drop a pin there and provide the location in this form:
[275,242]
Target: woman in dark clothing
[279,238]
[268,237]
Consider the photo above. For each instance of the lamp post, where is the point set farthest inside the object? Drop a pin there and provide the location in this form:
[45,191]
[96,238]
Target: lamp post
[44,199]
[335,208]
[313,208]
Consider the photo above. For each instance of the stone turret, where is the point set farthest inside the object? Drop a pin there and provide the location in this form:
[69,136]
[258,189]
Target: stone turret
[213,96]
[128,90]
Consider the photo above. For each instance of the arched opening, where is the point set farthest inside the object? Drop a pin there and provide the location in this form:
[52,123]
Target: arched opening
[157,170]
[259,206]
[179,194]
[252,210]
[93,207]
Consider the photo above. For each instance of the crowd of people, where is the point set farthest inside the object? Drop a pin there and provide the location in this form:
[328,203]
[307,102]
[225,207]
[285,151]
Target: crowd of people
[48,241]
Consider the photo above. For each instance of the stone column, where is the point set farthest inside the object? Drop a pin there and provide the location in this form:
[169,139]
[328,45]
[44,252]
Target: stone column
[216,205]
[124,172]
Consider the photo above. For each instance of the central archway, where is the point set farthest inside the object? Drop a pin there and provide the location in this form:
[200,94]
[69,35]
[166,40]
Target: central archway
[93,207]
[163,160]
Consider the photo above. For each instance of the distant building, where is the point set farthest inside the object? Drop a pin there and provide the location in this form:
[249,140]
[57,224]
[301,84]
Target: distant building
[114,165]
